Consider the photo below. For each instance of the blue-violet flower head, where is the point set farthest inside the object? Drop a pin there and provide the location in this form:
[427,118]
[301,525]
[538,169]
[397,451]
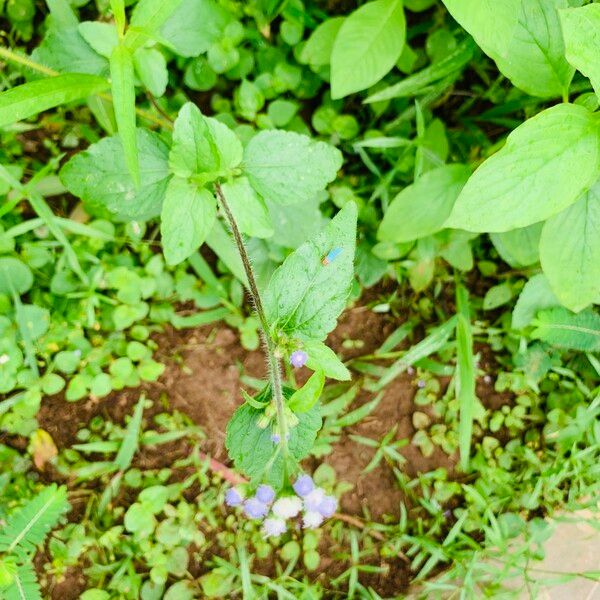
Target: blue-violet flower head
[233,497]
[255,509]
[265,494]
[304,485]
[298,358]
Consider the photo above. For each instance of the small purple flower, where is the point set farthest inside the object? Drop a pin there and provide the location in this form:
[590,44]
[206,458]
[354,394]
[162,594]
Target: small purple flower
[265,494]
[487,379]
[304,485]
[410,371]
[421,384]
[233,497]
[273,527]
[255,509]
[298,358]
[276,438]
[312,519]
[313,500]
[328,506]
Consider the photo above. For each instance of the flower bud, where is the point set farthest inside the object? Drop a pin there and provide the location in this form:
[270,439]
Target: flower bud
[304,485]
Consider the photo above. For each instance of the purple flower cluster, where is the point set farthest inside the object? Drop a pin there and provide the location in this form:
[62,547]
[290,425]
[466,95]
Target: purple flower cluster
[298,358]
[314,504]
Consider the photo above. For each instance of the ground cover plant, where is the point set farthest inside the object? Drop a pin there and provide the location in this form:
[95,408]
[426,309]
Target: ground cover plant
[297,299]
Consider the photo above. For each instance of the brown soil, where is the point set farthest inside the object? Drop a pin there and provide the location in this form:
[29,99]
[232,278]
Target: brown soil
[202,380]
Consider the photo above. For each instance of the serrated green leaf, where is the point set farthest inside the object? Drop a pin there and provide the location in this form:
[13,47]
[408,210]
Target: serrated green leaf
[570,251]
[123,92]
[560,327]
[24,585]
[546,164]
[31,98]
[248,208]
[580,27]
[100,178]
[308,395]
[65,50]
[288,167]
[188,215]
[252,449]
[422,208]
[367,46]
[305,297]
[535,296]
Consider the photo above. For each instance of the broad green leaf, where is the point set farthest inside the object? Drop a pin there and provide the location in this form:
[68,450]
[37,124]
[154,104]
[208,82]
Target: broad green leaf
[252,449]
[195,26]
[423,207]
[308,395]
[31,98]
[15,276]
[221,243]
[367,46]
[570,251]
[33,321]
[295,223]
[523,37]
[61,13]
[102,37]
[147,19]
[546,164]
[123,92]
[536,295]
[100,178]
[64,50]
[151,67]
[202,145]
[560,327]
[519,247]
[323,357]
[305,297]
[248,208]
[581,32]
[188,214]
[317,50]
[497,295]
[288,167]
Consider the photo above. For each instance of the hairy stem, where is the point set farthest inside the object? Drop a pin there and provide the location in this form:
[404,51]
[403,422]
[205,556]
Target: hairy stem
[269,344]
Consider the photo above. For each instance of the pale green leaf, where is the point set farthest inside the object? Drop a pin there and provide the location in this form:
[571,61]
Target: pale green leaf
[581,32]
[29,99]
[523,37]
[519,247]
[102,37]
[560,327]
[248,208]
[188,214]
[15,276]
[288,167]
[123,92]
[151,67]
[147,19]
[317,50]
[305,297]
[367,46]
[422,208]
[195,26]
[99,177]
[308,395]
[546,164]
[570,251]
[535,296]
[323,357]
[118,10]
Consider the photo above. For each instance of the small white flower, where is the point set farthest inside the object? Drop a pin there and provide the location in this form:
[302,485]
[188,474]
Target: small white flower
[273,527]
[312,519]
[287,507]
[4,359]
[313,500]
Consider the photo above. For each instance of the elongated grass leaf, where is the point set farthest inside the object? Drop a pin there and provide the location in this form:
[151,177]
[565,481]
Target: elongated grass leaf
[123,91]
[465,380]
[34,97]
[132,436]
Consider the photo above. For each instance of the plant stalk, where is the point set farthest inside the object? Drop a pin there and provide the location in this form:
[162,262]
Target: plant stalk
[269,343]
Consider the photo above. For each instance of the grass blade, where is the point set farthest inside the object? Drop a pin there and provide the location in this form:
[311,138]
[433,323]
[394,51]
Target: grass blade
[132,436]
[31,98]
[123,92]
[465,382]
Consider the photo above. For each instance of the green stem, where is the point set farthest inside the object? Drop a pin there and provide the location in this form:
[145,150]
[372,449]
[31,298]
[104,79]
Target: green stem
[269,343]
